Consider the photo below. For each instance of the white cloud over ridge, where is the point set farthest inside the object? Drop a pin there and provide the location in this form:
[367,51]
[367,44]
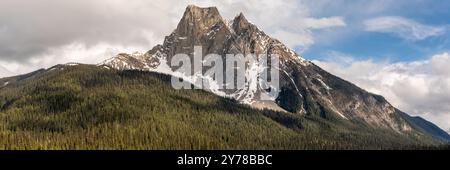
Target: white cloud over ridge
[404,28]
[75,52]
[419,88]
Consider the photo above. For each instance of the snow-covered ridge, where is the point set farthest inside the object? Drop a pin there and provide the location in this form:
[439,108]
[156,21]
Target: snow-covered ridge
[246,95]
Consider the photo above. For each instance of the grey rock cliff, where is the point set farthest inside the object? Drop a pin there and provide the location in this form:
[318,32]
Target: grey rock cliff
[306,89]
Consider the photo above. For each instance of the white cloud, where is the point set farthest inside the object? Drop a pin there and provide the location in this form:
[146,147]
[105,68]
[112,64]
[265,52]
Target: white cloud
[298,32]
[320,23]
[42,33]
[402,27]
[418,88]
[295,39]
[5,72]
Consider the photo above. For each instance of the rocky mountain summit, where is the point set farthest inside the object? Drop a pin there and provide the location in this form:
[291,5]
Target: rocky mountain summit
[304,89]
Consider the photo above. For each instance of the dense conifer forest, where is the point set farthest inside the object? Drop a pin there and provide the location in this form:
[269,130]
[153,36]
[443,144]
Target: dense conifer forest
[93,107]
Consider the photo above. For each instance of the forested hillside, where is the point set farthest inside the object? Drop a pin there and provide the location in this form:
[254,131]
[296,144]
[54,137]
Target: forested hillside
[93,107]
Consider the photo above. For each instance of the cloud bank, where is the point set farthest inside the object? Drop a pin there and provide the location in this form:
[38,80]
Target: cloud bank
[419,88]
[42,33]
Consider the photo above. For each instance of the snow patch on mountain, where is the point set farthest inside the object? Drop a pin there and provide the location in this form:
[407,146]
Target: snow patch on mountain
[324,84]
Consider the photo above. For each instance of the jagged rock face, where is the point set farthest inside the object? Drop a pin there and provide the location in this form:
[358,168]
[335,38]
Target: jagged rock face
[199,26]
[304,87]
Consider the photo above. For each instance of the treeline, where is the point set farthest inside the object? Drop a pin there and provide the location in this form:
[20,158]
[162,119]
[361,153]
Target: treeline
[89,107]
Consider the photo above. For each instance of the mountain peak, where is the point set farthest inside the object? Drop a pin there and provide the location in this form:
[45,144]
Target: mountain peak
[305,88]
[240,23]
[198,18]
[200,13]
[197,8]
[240,17]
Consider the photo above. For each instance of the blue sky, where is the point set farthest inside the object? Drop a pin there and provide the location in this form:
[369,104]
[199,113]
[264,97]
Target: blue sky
[355,40]
[399,49]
